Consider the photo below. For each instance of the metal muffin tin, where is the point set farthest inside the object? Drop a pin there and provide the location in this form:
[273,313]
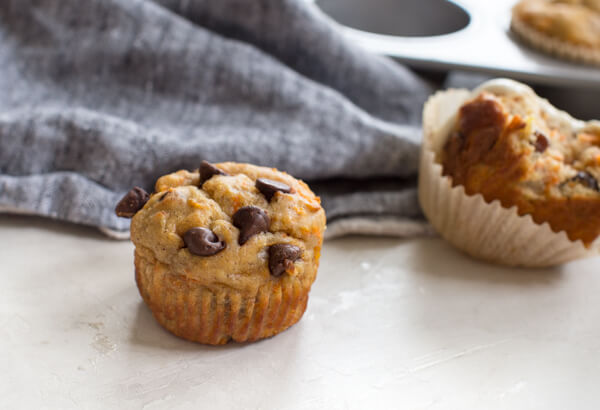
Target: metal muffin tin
[472,35]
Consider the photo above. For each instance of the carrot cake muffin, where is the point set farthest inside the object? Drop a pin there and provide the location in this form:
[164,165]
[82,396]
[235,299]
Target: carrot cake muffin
[506,177]
[563,28]
[509,147]
[226,252]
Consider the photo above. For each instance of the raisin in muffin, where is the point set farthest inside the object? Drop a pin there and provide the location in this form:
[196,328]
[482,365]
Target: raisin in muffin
[563,28]
[506,147]
[227,252]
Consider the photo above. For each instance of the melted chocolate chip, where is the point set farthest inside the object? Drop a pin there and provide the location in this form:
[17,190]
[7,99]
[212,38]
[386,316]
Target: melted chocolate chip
[282,257]
[268,187]
[541,142]
[250,220]
[203,242]
[586,179]
[132,202]
[207,171]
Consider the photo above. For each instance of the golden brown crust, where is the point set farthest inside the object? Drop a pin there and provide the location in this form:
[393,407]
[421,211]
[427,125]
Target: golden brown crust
[230,295]
[571,21]
[564,28]
[179,205]
[199,314]
[502,159]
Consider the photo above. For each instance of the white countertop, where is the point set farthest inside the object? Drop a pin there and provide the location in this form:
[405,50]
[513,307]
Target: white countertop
[390,324]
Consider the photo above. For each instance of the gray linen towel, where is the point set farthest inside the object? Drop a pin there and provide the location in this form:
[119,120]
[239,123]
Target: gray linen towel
[97,96]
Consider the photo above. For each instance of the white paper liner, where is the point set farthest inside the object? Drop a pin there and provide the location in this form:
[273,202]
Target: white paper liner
[483,230]
[553,46]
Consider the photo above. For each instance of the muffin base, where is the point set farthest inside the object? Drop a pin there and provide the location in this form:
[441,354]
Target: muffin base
[557,48]
[197,313]
[483,230]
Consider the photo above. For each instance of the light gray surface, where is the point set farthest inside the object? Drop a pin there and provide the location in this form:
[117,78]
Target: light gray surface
[102,95]
[484,45]
[390,324]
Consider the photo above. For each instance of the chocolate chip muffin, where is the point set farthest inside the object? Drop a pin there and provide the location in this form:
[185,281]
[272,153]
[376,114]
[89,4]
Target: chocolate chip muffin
[509,145]
[226,252]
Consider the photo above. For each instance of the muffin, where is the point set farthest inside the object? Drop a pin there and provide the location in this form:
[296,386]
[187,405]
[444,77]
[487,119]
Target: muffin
[509,178]
[564,28]
[227,252]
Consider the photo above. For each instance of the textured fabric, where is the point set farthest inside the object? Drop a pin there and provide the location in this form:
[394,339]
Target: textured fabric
[97,96]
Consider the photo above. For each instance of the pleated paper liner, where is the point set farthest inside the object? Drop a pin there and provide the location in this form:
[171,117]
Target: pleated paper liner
[553,46]
[483,230]
[197,313]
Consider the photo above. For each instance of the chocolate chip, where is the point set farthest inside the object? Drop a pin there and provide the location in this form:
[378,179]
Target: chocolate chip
[268,187]
[282,257]
[207,171]
[203,242]
[541,142]
[586,179]
[132,202]
[250,220]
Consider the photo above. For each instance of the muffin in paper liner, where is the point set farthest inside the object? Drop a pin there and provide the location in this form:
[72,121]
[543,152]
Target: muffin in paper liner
[228,252]
[200,314]
[554,46]
[483,230]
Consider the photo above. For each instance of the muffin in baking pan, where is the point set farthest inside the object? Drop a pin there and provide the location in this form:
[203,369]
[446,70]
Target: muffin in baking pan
[507,177]
[568,29]
[227,252]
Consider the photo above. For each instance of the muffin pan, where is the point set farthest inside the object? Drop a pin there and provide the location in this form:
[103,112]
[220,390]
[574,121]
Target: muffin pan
[462,34]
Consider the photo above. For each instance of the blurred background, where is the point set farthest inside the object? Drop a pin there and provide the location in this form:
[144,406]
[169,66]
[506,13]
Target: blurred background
[462,43]
[92,88]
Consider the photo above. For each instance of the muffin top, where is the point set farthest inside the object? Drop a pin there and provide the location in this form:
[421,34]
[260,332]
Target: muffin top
[233,225]
[576,22]
[508,144]
[563,154]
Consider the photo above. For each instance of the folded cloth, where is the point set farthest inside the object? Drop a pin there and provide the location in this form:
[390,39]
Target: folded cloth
[97,96]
